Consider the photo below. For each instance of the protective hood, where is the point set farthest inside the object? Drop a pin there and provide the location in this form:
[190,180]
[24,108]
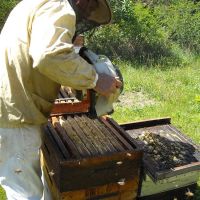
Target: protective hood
[102,14]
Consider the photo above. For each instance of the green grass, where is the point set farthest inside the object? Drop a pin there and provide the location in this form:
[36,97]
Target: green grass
[175,91]
[2,194]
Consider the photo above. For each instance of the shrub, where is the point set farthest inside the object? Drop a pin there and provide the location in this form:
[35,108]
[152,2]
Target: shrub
[181,21]
[150,31]
[135,34]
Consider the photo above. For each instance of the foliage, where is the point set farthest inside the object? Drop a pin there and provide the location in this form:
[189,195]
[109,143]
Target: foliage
[181,21]
[150,32]
[175,92]
[2,194]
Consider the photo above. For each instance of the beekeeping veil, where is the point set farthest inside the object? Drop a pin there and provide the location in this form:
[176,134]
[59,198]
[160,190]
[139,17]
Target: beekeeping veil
[99,15]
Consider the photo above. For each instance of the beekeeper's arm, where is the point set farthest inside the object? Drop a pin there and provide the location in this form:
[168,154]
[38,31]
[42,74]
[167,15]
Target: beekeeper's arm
[52,50]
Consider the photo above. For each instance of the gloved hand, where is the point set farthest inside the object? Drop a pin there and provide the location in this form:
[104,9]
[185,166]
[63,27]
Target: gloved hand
[106,84]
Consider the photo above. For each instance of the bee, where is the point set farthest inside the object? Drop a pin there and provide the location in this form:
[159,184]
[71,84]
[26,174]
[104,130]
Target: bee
[189,194]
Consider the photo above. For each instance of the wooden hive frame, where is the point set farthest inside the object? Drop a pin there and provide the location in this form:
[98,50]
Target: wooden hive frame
[111,176]
[173,183]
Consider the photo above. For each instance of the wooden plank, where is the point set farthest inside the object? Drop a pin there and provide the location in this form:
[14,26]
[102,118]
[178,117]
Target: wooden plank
[177,171]
[74,135]
[111,191]
[95,135]
[52,188]
[145,123]
[122,132]
[97,147]
[67,141]
[63,93]
[125,143]
[59,142]
[52,148]
[52,156]
[64,108]
[111,138]
[97,160]
[86,140]
[94,175]
[104,140]
[107,191]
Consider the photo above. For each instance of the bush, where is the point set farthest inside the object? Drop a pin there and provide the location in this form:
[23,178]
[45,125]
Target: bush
[136,34]
[150,32]
[181,20]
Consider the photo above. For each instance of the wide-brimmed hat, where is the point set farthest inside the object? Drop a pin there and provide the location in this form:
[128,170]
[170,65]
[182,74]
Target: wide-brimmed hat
[101,14]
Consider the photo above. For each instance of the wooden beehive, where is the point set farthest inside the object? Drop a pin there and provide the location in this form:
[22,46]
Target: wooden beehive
[171,160]
[88,158]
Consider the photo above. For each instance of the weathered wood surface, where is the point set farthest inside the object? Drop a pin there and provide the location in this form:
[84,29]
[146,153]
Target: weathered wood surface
[92,154]
[69,104]
[49,128]
[67,141]
[126,190]
[64,107]
[126,144]
[145,123]
[90,137]
[169,133]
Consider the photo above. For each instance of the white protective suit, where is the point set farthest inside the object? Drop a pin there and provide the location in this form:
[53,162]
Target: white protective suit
[36,57]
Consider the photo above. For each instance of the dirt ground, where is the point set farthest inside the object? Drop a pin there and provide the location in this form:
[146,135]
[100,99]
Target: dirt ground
[134,99]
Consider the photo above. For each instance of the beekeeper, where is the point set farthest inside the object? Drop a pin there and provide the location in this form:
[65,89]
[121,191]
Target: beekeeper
[36,57]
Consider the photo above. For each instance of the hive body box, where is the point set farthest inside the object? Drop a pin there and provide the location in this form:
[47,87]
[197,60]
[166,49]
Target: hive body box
[170,183]
[75,173]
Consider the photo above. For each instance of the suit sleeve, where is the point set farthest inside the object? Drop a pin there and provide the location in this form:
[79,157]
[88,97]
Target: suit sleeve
[51,47]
